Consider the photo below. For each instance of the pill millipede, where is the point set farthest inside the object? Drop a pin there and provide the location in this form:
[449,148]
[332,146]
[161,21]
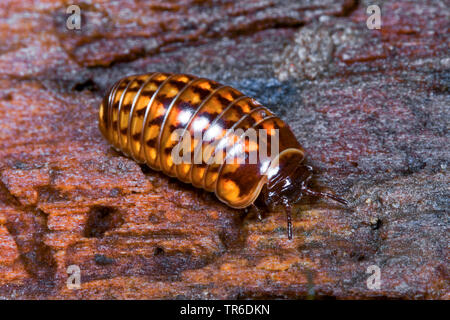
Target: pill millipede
[140,115]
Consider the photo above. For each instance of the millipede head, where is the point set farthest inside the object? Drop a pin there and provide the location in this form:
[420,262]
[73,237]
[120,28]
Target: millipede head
[289,186]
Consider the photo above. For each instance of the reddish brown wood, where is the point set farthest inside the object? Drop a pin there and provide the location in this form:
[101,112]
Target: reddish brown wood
[372,113]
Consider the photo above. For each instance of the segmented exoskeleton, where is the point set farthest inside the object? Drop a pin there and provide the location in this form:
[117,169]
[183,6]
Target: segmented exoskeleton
[147,116]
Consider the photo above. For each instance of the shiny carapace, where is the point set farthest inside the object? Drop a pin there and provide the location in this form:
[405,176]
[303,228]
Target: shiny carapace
[141,114]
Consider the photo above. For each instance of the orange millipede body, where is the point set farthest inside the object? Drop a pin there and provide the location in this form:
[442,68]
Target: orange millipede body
[149,116]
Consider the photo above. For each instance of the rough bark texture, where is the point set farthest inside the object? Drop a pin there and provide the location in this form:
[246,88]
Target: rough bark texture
[371,107]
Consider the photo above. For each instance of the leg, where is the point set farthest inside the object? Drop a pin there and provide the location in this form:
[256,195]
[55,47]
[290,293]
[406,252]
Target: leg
[289,224]
[257,210]
[288,209]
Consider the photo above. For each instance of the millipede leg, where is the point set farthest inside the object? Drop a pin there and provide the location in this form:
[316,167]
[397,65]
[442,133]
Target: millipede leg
[258,211]
[288,210]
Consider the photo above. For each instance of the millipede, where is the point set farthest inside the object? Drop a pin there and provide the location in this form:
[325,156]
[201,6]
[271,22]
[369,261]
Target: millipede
[140,114]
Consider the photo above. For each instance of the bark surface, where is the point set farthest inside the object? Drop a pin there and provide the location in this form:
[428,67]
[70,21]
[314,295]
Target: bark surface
[371,108]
